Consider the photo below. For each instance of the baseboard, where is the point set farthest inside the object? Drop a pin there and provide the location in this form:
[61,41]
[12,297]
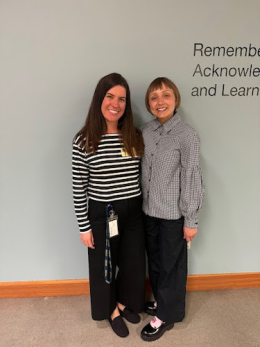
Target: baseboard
[224,281]
[81,287]
[43,288]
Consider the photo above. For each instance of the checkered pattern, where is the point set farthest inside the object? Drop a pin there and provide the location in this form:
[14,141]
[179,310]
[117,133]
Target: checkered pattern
[172,183]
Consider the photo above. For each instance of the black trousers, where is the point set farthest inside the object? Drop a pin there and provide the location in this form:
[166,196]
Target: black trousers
[128,258]
[167,261]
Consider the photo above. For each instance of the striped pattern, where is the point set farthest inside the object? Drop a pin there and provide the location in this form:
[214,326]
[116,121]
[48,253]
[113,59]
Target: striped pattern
[106,176]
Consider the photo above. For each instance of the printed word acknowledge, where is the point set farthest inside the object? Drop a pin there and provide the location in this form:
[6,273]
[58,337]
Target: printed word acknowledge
[216,71]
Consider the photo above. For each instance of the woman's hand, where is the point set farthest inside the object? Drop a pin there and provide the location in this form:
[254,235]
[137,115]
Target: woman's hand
[88,239]
[189,233]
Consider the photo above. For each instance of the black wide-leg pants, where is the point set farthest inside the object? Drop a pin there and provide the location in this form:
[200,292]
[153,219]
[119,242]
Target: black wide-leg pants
[167,263]
[127,254]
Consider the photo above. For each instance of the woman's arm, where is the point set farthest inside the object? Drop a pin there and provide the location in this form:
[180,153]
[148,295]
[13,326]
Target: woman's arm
[80,175]
[192,187]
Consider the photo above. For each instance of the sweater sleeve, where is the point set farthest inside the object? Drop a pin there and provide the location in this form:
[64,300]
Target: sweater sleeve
[80,175]
[192,187]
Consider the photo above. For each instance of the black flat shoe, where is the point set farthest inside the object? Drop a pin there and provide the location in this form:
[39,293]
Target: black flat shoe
[151,334]
[130,315]
[118,326]
[150,308]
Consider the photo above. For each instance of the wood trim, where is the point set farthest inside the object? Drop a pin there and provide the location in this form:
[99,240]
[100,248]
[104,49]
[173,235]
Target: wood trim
[81,287]
[43,288]
[224,281]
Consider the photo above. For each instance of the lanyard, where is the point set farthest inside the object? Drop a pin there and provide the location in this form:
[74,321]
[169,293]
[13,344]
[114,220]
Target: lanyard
[108,262]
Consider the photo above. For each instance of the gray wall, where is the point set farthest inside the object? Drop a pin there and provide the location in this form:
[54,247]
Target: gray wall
[52,55]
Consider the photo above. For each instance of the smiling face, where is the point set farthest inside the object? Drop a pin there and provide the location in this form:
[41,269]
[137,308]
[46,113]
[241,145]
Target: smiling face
[113,105]
[162,103]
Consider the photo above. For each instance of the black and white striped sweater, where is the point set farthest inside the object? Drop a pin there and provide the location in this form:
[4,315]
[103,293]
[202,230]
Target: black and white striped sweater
[110,174]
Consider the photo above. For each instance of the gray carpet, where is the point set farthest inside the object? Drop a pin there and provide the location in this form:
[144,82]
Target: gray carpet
[226,318]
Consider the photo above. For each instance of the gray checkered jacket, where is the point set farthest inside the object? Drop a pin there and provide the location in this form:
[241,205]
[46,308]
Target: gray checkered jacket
[172,184]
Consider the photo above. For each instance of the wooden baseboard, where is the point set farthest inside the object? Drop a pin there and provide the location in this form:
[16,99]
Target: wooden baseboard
[81,287]
[224,281]
[43,288]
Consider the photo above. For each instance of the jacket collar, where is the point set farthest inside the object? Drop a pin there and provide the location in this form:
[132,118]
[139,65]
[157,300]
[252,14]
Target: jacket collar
[169,125]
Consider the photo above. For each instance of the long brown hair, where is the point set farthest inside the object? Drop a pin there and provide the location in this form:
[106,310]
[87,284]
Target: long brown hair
[95,124]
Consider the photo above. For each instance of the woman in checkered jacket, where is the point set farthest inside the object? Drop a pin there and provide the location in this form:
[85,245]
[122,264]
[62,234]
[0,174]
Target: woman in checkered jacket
[173,192]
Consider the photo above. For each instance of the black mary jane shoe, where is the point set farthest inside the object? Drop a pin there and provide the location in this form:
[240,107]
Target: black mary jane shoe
[130,315]
[150,308]
[151,334]
[119,326]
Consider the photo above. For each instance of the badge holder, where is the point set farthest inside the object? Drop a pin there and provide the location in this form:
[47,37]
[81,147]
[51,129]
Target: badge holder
[112,221]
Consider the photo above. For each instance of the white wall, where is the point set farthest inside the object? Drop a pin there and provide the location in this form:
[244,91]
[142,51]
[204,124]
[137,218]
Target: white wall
[53,53]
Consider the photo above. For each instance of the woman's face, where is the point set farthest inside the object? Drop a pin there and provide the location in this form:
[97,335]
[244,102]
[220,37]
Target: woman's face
[113,105]
[162,103]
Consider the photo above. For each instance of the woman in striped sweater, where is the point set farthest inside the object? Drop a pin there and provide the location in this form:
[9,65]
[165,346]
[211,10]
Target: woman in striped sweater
[106,165]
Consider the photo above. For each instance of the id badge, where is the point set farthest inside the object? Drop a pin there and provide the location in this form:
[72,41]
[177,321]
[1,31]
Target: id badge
[124,153]
[112,221]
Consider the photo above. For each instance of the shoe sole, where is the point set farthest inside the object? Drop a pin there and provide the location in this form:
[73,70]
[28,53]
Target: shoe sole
[156,337]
